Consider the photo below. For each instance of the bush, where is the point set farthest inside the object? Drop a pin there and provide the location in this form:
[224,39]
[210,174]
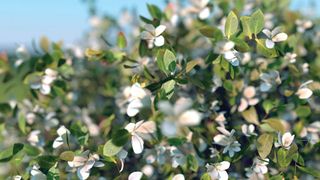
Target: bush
[204,90]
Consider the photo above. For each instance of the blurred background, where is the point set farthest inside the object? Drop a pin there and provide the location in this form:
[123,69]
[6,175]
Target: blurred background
[24,21]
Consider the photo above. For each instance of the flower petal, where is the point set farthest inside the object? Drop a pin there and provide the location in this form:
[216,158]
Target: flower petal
[137,144]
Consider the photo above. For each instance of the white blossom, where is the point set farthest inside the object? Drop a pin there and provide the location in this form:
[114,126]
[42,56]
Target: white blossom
[248,130]
[284,140]
[178,115]
[136,99]
[63,137]
[304,92]
[226,48]
[36,174]
[218,170]
[303,25]
[269,80]
[227,139]
[139,131]
[153,35]
[274,36]
[137,175]
[84,162]
[248,98]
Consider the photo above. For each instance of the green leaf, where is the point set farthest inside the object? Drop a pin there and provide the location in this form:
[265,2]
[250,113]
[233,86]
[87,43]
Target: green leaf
[120,137]
[310,171]
[264,145]
[67,156]
[175,141]
[54,173]
[192,163]
[191,65]
[245,24]
[121,40]
[110,149]
[154,11]
[47,161]
[251,116]
[169,88]
[205,176]
[22,123]
[213,33]
[256,22]
[228,85]
[231,25]
[44,44]
[303,111]
[31,150]
[275,123]
[268,105]
[282,159]
[263,50]
[7,154]
[164,59]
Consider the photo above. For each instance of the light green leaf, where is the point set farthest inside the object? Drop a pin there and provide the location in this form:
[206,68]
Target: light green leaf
[22,123]
[7,154]
[169,88]
[192,163]
[110,149]
[275,123]
[205,176]
[256,22]
[263,50]
[121,40]
[67,156]
[251,116]
[310,171]
[245,23]
[231,25]
[165,58]
[264,145]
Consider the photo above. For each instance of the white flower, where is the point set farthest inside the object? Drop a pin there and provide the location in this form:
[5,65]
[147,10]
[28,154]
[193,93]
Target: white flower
[178,115]
[22,52]
[228,140]
[303,25]
[36,174]
[304,92]
[178,177]
[200,7]
[218,170]
[178,158]
[35,139]
[248,130]
[136,99]
[248,98]
[260,166]
[221,119]
[84,162]
[217,82]
[138,131]
[63,137]
[44,82]
[269,80]
[148,170]
[274,36]
[284,140]
[153,35]
[227,49]
[17,177]
[213,152]
[290,57]
[137,175]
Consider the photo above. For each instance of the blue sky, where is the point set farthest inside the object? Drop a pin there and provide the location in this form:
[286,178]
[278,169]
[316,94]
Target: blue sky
[24,20]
